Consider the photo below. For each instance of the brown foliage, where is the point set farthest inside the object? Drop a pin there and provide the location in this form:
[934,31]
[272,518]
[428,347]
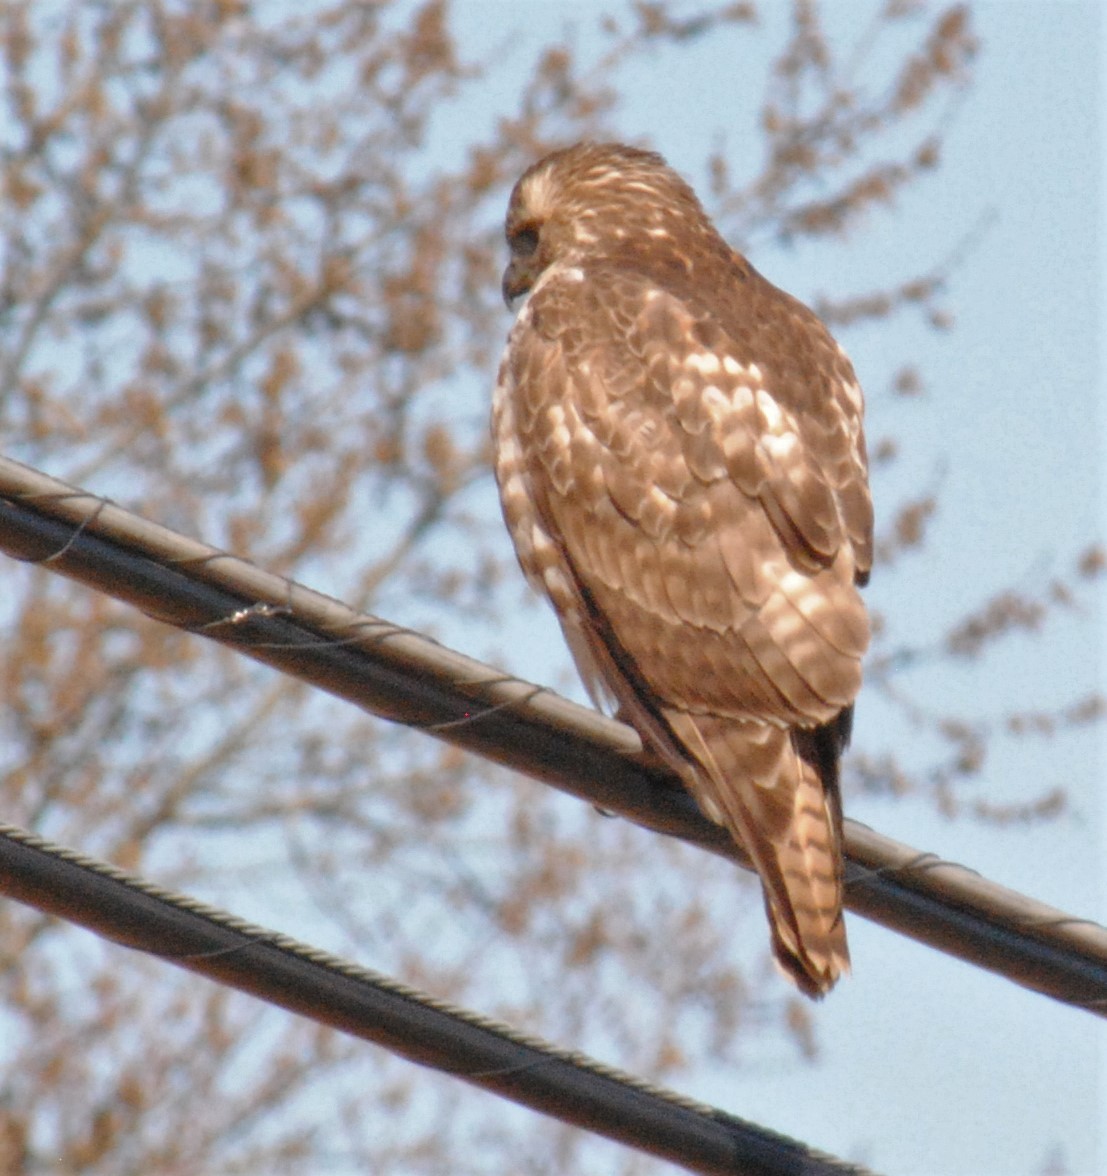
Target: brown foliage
[247,291]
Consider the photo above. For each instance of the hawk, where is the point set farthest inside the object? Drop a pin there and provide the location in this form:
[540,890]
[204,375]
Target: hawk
[681,465]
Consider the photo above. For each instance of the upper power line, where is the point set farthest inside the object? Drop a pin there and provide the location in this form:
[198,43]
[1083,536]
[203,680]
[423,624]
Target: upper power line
[397,674]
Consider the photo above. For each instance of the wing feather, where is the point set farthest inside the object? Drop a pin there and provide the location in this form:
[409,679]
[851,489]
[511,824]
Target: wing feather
[709,519]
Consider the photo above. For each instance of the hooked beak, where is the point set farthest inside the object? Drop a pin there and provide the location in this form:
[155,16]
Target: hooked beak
[517,281]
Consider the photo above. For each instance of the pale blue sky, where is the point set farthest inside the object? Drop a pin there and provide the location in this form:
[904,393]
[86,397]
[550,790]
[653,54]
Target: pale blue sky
[932,1067]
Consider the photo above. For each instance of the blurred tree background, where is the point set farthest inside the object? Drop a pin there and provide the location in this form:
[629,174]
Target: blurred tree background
[251,290]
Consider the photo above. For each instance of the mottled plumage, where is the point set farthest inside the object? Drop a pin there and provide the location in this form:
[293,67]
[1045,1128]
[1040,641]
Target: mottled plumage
[681,464]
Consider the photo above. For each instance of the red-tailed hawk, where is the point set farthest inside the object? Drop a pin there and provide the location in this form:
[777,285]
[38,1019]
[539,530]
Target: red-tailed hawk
[682,469]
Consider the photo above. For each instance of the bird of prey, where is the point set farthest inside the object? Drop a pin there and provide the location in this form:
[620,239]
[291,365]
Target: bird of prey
[682,468]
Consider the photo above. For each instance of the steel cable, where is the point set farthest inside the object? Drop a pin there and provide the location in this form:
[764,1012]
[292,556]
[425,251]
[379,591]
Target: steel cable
[400,675]
[275,968]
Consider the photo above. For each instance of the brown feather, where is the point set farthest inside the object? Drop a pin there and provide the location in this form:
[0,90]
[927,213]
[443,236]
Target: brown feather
[682,469]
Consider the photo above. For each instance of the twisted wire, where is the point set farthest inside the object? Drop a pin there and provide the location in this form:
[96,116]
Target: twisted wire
[400,675]
[313,983]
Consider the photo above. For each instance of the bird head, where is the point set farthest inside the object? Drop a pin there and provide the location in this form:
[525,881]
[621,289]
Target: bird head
[571,207]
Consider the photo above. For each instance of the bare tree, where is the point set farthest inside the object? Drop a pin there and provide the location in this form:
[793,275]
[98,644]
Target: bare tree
[248,291]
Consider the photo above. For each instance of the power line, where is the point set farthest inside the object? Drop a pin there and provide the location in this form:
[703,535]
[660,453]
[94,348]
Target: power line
[397,674]
[376,1008]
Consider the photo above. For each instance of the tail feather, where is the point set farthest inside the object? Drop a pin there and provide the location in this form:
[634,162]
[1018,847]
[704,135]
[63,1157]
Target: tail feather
[776,790]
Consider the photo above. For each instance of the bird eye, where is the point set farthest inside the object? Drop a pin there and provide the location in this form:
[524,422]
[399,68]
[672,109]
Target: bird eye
[524,241]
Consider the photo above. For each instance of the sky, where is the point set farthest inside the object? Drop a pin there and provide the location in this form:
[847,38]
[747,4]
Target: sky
[930,1066]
